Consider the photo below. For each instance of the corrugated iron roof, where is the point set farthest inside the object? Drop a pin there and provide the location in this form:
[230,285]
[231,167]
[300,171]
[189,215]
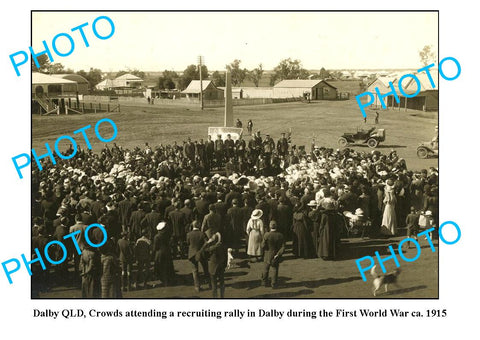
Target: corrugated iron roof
[194,86]
[301,83]
[41,78]
[129,76]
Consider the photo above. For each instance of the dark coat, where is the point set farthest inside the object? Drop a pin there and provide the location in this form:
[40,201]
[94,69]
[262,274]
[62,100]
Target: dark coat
[212,221]
[178,221]
[163,266]
[195,241]
[201,209]
[302,239]
[274,246]
[135,222]
[284,218]
[217,256]
[328,234]
[125,208]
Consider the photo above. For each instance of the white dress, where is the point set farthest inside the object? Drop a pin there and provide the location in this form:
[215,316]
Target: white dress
[389,220]
[255,237]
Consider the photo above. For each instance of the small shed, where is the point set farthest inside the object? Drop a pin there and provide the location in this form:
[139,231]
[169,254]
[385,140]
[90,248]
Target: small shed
[210,91]
[317,89]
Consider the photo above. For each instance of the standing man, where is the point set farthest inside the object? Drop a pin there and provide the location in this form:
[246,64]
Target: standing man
[209,151]
[143,254]
[282,145]
[250,127]
[239,123]
[377,115]
[219,151]
[240,147]
[235,217]
[195,241]
[274,246]
[217,261]
[229,146]
[178,221]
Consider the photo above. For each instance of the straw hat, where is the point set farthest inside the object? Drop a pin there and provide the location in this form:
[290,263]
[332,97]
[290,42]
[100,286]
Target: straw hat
[161,225]
[256,214]
[312,203]
[359,212]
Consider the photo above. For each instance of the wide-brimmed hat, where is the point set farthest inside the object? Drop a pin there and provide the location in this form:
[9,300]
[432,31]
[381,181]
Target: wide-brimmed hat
[312,203]
[256,214]
[161,225]
[428,213]
[359,212]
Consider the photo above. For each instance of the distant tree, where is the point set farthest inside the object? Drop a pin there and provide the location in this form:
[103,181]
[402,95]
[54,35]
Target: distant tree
[238,74]
[44,64]
[168,80]
[427,55]
[191,73]
[56,68]
[336,74]
[94,76]
[324,73]
[218,79]
[256,74]
[288,69]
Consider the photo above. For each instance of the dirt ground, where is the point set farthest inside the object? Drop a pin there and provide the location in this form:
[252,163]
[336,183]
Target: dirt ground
[325,121]
[300,278]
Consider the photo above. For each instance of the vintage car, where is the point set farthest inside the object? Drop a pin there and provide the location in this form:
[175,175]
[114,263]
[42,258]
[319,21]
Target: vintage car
[371,137]
[426,149]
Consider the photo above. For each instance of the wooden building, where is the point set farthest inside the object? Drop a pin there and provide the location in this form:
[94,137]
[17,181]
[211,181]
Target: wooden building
[210,91]
[425,100]
[317,89]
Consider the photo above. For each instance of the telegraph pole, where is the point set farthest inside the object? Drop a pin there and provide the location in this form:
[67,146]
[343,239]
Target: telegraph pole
[200,62]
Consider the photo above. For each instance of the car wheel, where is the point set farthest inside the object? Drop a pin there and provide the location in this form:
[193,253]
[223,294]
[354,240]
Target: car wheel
[422,152]
[372,143]
[342,142]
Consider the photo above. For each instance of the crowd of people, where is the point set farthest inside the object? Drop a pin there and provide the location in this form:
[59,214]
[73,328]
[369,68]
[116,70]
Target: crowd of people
[162,204]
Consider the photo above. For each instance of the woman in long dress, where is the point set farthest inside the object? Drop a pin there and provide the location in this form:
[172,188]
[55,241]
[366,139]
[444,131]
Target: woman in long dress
[302,237]
[163,265]
[255,231]
[389,220]
[329,231]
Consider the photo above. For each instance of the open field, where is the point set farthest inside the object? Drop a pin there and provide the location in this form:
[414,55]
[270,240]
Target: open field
[323,120]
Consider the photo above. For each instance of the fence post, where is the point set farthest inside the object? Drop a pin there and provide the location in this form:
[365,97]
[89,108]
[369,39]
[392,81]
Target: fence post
[108,107]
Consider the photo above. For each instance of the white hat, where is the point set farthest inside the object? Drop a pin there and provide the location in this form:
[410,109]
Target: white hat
[161,225]
[256,214]
[359,212]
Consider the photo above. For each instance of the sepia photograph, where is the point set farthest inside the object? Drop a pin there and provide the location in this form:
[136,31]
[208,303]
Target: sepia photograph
[234,154]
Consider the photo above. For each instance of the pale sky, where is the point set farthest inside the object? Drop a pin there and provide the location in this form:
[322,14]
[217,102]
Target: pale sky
[155,41]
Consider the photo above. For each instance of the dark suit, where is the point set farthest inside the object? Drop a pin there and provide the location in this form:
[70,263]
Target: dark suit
[201,209]
[178,221]
[273,245]
[195,241]
[212,221]
[236,223]
[217,261]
